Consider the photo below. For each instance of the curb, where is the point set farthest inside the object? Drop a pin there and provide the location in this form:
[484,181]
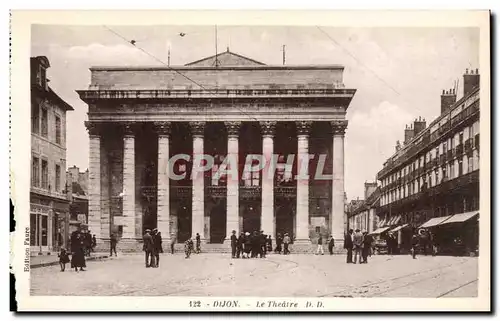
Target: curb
[92,258]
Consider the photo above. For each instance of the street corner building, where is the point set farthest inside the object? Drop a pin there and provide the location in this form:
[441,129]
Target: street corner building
[49,203]
[226,104]
[432,180]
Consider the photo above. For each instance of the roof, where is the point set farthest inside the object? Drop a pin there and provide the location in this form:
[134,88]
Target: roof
[227,58]
[371,201]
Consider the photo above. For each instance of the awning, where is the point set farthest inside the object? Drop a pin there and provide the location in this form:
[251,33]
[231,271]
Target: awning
[435,221]
[396,220]
[380,230]
[398,228]
[381,223]
[462,217]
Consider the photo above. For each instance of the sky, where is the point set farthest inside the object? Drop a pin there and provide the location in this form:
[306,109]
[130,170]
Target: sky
[399,73]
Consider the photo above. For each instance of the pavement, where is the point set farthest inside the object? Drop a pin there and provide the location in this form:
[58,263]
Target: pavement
[38,261]
[295,275]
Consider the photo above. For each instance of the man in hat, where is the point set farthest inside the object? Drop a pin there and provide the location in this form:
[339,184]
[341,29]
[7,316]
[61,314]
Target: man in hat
[148,248]
[198,243]
[240,245]
[366,247]
[286,242]
[234,244]
[157,246]
[357,242]
[112,242]
[262,243]
[348,245]
[331,244]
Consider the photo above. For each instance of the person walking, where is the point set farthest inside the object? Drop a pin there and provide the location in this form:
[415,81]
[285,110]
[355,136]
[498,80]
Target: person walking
[198,243]
[148,248]
[414,245]
[234,244]
[286,242]
[269,244]
[357,242]
[188,247]
[173,240]
[348,245]
[366,246]
[240,244]
[279,242]
[94,243]
[63,259]
[320,245]
[78,251]
[248,245]
[112,244]
[262,244]
[331,244]
[254,240]
[158,247]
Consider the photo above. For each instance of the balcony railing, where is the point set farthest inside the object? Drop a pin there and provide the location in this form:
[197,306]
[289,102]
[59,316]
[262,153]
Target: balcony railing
[459,150]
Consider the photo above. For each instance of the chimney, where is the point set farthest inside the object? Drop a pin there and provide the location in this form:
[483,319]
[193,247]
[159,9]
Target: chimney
[471,81]
[448,98]
[398,146]
[409,133]
[369,189]
[418,125]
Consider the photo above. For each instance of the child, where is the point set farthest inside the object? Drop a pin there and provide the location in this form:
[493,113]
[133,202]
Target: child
[63,259]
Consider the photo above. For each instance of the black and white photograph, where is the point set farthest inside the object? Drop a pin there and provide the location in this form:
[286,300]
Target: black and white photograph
[252,166]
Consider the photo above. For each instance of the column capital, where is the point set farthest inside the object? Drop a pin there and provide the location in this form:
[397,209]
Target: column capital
[303,127]
[339,127]
[93,128]
[197,128]
[233,128]
[268,128]
[163,128]
[129,129]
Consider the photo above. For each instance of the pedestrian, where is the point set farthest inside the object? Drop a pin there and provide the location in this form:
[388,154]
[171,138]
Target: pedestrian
[331,244]
[269,243]
[234,244]
[63,258]
[158,247]
[254,240]
[148,248]
[173,240]
[279,242]
[357,242]
[112,243]
[286,242]
[77,251]
[414,245]
[94,243]
[188,247]
[348,245]
[240,245]
[320,245]
[198,243]
[262,244]
[248,245]
[366,246]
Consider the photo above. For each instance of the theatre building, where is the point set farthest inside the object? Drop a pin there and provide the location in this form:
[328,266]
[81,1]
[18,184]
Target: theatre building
[140,117]
[49,204]
[432,181]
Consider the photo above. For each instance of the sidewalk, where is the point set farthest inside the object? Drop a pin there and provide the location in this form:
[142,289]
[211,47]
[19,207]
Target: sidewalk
[48,260]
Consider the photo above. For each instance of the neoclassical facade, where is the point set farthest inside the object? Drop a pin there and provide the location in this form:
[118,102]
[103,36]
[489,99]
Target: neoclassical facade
[141,117]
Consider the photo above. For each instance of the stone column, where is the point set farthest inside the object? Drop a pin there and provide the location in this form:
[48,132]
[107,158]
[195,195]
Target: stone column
[163,198]
[337,221]
[94,218]
[129,182]
[302,219]
[232,199]
[198,206]
[267,213]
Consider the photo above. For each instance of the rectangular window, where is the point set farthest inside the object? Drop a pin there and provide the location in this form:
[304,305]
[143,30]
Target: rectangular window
[35,118]
[33,230]
[45,231]
[452,170]
[471,164]
[35,172]
[58,130]
[460,168]
[45,123]
[45,174]
[58,178]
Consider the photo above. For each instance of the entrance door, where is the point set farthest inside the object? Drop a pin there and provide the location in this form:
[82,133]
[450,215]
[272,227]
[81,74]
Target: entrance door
[284,220]
[251,216]
[183,222]
[218,223]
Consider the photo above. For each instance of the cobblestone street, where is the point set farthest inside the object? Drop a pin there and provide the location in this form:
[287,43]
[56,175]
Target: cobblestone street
[277,275]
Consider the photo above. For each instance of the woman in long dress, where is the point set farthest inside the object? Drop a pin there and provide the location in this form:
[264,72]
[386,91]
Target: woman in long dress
[77,251]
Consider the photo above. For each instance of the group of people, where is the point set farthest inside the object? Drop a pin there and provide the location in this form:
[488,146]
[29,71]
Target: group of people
[331,245]
[189,246]
[251,245]
[152,247]
[80,247]
[360,243]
